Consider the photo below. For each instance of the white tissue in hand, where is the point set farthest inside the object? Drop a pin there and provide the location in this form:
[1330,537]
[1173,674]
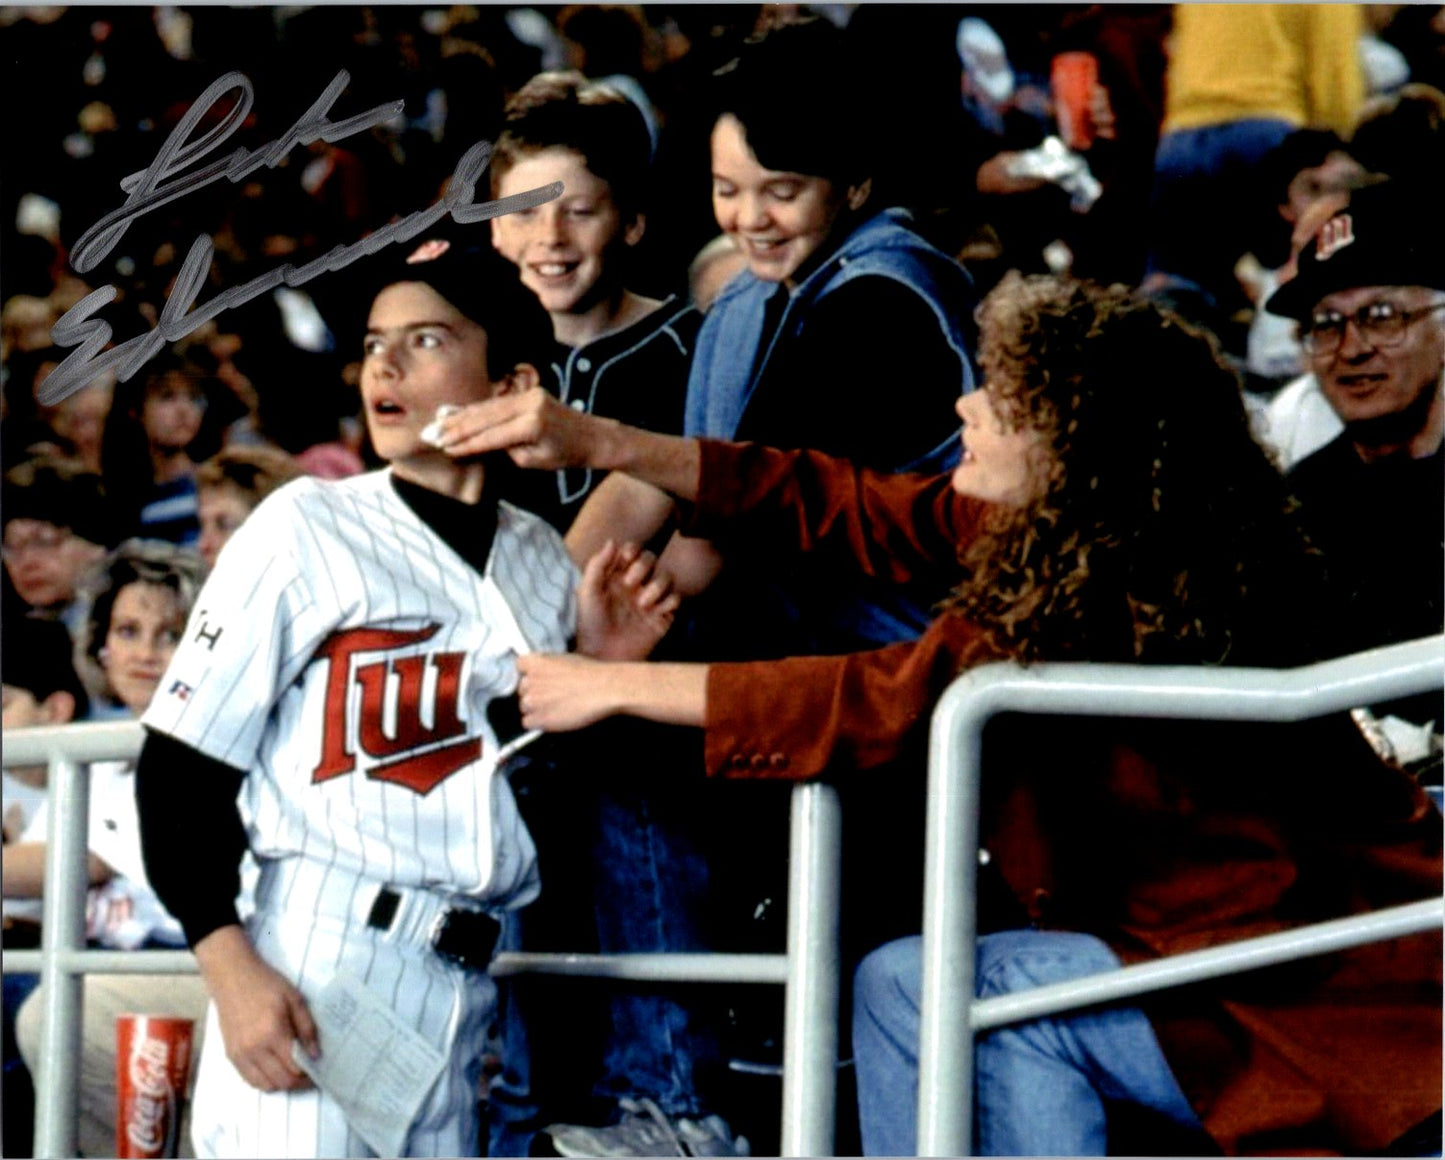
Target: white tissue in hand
[431,434]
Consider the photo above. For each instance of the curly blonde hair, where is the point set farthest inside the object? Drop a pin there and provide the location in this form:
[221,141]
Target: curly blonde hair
[1161,531]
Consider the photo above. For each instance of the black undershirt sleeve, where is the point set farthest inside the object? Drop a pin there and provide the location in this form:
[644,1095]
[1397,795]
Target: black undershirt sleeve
[192,838]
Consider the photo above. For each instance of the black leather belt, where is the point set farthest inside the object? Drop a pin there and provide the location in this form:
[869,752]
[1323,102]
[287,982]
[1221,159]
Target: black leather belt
[465,937]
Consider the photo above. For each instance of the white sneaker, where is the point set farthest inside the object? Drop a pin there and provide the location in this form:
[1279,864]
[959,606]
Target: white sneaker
[646,1130]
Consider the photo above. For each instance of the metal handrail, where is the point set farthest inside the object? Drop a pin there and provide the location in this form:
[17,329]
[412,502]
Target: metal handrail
[809,970]
[949,1015]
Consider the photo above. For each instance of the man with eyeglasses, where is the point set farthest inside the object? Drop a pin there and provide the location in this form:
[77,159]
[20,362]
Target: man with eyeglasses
[54,528]
[1369,298]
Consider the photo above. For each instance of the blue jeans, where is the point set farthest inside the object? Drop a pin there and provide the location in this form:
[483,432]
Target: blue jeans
[1040,1086]
[18,1090]
[638,862]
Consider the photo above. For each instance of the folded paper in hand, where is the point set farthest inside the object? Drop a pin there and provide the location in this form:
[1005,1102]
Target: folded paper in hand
[372,1064]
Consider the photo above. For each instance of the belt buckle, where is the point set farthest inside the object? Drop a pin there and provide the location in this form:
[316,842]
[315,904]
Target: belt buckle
[451,922]
[440,926]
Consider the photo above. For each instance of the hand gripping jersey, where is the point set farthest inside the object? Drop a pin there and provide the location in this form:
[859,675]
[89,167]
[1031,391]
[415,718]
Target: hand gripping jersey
[344,655]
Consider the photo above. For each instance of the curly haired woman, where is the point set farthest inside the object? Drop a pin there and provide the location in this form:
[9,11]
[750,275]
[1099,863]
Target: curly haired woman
[1110,505]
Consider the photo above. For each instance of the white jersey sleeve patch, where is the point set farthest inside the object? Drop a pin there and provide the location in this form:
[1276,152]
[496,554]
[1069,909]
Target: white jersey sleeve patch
[254,624]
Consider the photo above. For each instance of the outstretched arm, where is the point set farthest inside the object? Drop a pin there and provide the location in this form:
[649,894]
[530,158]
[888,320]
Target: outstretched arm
[562,693]
[896,526]
[789,719]
[540,431]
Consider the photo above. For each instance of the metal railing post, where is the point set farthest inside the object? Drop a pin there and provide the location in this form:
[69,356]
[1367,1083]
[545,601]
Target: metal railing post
[945,1045]
[945,1080]
[810,1021]
[62,929]
[809,970]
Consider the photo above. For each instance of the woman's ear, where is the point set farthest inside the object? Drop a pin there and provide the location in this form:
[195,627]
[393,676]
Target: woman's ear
[632,234]
[859,194]
[522,377]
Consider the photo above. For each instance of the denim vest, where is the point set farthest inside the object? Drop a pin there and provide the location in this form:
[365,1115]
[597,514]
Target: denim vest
[725,366]
[827,615]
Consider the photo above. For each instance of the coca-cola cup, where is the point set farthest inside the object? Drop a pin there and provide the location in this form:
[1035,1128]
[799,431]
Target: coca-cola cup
[152,1062]
[1073,79]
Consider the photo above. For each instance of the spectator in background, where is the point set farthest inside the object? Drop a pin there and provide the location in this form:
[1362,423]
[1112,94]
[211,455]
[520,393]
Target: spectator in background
[1306,167]
[1128,40]
[161,424]
[624,355]
[1402,138]
[338,458]
[614,45]
[1403,135]
[25,322]
[40,687]
[619,353]
[1298,420]
[712,268]
[70,428]
[55,527]
[1007,190]
[27,429]
[39,682]
[129,604]
[136,605]
[791,350]
[148,474]
[79,422]
[1418,31]
[1370,302]
[230,484]
[1241,78]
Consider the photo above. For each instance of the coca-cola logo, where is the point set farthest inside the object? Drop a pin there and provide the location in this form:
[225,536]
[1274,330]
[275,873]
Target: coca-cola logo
[149,1119]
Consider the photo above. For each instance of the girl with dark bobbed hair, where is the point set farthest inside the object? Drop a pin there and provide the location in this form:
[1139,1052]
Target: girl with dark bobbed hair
[838,301]
[1110,505]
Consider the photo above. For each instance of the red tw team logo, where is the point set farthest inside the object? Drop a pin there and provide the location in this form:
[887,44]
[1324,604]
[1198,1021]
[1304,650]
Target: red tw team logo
[412,754]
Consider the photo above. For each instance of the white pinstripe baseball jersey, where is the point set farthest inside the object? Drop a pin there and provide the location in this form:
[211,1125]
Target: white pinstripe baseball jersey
[345,655]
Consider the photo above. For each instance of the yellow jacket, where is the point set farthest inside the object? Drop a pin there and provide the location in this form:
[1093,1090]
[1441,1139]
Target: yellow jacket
[1291,62]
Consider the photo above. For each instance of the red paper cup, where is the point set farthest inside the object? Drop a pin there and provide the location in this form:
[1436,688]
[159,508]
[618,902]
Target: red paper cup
[152,1062]
[1073,79]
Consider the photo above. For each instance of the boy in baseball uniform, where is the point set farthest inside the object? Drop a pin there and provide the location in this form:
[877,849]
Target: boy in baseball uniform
[327,709]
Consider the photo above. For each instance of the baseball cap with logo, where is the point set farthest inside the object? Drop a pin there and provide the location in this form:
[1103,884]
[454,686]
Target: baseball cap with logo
[1388,235]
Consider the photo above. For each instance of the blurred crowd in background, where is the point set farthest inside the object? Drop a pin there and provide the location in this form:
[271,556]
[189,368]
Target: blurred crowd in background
[957,108]
[1186,150]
